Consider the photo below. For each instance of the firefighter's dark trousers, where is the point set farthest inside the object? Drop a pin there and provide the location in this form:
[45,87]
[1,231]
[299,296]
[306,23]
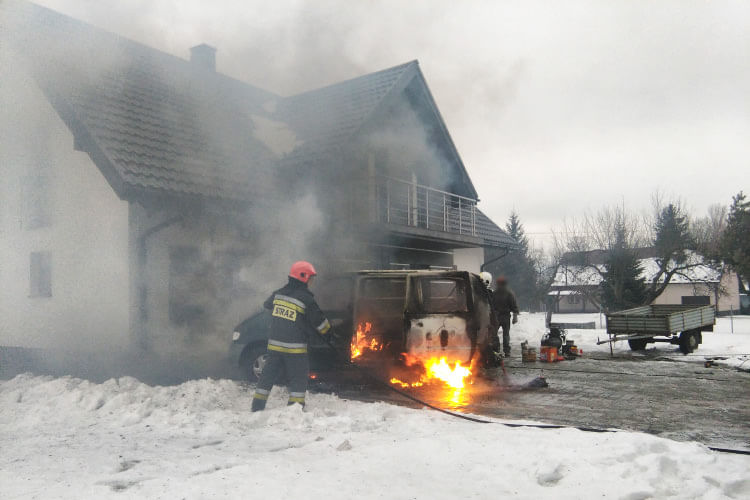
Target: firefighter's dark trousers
[505,325]
[280,366]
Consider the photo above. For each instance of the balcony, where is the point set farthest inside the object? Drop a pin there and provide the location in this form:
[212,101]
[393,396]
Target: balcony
[409,204]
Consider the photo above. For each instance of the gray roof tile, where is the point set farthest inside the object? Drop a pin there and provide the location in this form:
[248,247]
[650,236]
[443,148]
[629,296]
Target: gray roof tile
[164,124]
[161,123]
[491,233]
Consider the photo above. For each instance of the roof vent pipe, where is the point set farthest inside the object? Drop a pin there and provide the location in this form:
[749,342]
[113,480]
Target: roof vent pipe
[203,56]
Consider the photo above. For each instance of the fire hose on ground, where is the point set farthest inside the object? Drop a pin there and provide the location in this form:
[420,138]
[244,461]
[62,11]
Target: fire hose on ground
[415,399]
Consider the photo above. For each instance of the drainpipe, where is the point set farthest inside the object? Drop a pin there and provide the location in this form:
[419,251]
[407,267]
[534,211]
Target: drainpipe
[142,249]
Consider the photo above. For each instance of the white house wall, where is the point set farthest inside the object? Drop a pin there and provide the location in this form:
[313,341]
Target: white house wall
[86,237]
[729,301]
[468,259]
[674,292]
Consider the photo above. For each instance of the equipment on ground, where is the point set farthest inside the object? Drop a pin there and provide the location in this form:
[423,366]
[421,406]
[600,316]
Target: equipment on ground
[548,354]
[556,347]
[555,337]
[528,354]
[570,350]
[676,324]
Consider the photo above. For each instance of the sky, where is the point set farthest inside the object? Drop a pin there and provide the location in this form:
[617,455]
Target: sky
[556,108]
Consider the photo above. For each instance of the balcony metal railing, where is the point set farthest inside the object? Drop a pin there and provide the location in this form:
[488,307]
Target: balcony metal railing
[410,204]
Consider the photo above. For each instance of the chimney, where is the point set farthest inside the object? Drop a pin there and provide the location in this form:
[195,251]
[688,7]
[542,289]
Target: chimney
[203,56]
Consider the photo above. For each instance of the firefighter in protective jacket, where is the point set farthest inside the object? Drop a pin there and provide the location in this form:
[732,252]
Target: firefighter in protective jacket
[294,313]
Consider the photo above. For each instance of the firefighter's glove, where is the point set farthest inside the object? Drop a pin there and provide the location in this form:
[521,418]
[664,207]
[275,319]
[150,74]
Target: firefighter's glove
[515,319]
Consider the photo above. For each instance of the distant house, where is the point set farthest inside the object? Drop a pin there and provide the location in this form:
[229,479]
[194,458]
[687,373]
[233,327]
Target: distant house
[155,200]
[577,284]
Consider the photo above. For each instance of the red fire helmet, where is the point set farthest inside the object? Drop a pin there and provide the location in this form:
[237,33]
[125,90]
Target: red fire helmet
[302,271]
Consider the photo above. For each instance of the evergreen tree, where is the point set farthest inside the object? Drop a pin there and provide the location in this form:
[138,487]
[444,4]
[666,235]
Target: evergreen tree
[515,230]
[735,243]
[623,286]
[673,237]
[672,242]
[519,266]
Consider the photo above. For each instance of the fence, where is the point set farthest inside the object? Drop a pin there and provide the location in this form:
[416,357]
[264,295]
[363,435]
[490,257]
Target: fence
[410,204]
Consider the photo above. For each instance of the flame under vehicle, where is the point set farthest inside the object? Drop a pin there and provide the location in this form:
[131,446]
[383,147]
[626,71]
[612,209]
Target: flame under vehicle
[436,323]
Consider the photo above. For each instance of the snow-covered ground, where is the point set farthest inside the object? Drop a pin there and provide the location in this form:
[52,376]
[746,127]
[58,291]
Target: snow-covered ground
[69,438]
[735,347]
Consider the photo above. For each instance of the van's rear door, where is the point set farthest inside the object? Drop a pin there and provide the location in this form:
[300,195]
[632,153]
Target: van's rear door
[379,309]
[437,316]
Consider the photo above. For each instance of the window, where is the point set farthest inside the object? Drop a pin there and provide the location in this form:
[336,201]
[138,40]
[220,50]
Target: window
[40,274]
[234,272]
[379,297]
[443,295]
[696,300]
[383,288]
[35,201]
[574,298]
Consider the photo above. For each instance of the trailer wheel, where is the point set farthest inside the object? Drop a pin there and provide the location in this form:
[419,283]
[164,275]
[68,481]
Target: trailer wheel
[689,341]
[638,344]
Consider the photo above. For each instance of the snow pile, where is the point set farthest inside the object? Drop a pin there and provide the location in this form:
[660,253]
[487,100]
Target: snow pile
[69,438]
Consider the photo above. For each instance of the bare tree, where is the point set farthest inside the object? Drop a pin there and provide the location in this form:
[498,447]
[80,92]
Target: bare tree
[545,266]
[668,235]
[583,245]
[600,230]
[708,230]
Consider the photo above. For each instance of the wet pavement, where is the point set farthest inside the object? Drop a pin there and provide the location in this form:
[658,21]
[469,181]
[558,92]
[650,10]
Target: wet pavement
[674,399]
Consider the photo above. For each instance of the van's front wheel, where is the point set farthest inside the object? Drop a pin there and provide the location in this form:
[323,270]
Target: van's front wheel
[253,362]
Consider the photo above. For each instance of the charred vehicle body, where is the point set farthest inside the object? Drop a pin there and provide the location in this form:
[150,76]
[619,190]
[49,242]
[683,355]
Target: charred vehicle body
[386,318]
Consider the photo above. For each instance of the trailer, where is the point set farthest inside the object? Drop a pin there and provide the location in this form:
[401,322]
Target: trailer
[682,325]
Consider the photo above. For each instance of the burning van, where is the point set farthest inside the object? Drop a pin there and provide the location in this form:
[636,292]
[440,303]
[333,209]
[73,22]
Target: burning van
[422,314]
[427,318]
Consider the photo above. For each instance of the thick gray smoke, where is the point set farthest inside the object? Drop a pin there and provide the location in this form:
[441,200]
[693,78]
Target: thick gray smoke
[152,287]
[537,95]
[97,286]
[404,145]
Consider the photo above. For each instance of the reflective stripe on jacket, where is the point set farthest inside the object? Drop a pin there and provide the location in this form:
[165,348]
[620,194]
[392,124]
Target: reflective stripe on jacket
[294,313]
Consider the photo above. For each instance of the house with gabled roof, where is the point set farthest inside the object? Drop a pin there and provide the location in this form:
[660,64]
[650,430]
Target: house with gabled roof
[577,285]
[156,200]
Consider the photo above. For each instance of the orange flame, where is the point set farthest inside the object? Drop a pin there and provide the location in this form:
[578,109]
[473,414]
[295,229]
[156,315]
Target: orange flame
[454,376]
[406,385]
[361,341]
[437,369]
[440,369]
